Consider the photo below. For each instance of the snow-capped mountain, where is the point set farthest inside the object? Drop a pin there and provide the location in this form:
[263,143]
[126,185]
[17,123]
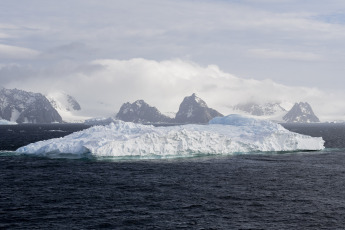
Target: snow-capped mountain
[26,107]
[301,113]
[193,110]
[266,109]
[63,101]
[141,112]
[67,106]
[280,112]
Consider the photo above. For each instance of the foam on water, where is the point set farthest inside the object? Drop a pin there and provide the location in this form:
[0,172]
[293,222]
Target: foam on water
[222,136]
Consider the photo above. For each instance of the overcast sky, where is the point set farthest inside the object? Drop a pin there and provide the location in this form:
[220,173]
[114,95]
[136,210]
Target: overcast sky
[108,52]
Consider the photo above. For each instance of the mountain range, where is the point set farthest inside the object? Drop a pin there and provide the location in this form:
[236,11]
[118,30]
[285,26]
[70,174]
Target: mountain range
[266,109]
[192,110]
[301,112]
[26,107]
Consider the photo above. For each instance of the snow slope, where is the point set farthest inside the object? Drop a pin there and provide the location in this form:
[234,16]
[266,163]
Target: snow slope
[273,111]
[226,135]
[67,106]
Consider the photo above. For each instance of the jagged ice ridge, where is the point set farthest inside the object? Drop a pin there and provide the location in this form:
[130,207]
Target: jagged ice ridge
[223,135]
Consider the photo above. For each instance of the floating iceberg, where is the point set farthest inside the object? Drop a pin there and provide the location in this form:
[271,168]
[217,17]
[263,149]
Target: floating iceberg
[6,122]
[225,135]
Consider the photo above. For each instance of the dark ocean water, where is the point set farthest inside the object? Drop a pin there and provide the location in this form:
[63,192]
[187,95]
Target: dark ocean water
[300,190]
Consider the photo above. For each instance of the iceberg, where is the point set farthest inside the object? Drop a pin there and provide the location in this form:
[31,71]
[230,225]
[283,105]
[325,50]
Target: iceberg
[222,136]
[6,122]
[99,121]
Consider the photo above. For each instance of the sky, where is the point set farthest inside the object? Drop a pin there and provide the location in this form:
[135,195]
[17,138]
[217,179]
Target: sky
[108,52]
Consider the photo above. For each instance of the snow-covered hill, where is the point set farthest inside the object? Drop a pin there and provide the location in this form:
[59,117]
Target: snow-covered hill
[67,106]
[266,109]
[279,112]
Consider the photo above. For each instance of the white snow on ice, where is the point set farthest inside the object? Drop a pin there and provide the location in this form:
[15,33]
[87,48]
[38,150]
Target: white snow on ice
[225,135]
[6,122]
[100,121]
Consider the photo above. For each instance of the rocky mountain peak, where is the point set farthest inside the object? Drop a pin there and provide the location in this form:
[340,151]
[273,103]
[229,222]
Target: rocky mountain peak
[301,113]
[26,107]
[194,100]
[141,112]
[73,102]
[194,110]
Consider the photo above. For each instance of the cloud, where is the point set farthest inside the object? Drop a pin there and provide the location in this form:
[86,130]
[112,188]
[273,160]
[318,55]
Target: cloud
[3,35]
[296,43]
[15,52]
[287,55]
[71,50]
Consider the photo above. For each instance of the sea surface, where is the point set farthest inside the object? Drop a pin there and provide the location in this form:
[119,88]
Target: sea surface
[293,190]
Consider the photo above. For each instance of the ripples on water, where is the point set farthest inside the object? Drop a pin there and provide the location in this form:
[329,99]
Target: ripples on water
[333,134]
[275,191]
[14,136]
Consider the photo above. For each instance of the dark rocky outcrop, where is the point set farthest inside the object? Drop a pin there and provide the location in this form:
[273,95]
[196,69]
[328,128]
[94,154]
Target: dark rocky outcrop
[193,110]
[141,112]
[301,113]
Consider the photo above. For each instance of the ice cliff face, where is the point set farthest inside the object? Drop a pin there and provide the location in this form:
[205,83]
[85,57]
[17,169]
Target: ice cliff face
[26,107]
[141,112]
[224,135]
[193,110]
[301,113]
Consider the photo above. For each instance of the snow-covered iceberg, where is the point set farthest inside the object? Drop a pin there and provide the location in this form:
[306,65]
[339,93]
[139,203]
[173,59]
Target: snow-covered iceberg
[225,135]
[99,121]
[6,122]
